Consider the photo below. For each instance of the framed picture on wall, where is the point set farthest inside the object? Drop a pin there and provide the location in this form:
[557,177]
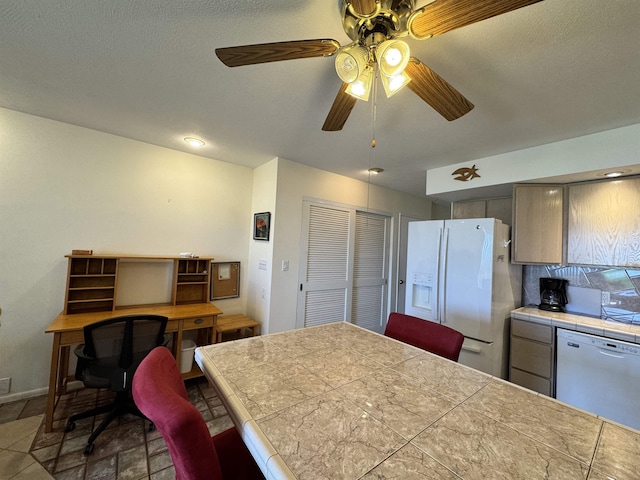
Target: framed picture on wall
[261,225]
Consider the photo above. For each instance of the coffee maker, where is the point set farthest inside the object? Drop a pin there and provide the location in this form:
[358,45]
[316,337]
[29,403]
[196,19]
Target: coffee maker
[553,294]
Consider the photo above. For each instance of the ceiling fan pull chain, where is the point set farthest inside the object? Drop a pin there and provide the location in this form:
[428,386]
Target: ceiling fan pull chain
[374,105]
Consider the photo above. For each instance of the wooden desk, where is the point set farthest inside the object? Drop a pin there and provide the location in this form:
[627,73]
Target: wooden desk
[68,330]
[337,401]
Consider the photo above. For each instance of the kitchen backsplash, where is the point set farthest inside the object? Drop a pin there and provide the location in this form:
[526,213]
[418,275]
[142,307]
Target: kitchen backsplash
[620,287]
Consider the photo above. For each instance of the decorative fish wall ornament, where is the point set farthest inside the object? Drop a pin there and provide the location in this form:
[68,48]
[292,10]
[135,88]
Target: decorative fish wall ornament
[465,174]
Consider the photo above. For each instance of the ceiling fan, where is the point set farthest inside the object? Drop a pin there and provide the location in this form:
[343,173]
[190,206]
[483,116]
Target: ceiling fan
[376,28]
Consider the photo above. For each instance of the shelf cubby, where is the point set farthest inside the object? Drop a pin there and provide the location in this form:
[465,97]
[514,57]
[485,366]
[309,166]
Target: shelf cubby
[191,280]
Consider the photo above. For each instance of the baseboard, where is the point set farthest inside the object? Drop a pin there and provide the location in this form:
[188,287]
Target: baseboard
[14,397]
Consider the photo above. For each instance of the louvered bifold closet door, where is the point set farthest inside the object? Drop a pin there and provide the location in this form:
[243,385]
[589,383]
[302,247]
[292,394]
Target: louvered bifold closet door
[323,295]
[369,271]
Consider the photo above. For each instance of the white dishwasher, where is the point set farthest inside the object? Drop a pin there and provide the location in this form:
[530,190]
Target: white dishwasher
[599,375]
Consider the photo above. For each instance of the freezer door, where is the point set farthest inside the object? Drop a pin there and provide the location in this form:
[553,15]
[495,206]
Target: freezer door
[486,357]
[467,277]
[423,246]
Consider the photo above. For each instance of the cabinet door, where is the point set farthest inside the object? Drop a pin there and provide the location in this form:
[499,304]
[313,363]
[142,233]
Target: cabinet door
[538,224]
[501,208]
[532,357]
[604,223]
[475,209]
[532,382]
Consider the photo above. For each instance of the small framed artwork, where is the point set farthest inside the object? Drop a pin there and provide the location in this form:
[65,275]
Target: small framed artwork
[261,225]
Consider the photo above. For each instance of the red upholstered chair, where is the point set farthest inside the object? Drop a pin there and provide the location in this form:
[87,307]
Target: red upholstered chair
[160,393]
[430,336]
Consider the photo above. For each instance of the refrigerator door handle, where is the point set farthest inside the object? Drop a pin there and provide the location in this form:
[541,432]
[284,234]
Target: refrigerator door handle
[437,295]
[471,349]
[442,287]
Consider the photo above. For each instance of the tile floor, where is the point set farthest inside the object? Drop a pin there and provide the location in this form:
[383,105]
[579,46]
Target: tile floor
[126,450]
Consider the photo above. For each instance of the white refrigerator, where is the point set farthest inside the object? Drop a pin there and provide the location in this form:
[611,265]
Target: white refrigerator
[459,274]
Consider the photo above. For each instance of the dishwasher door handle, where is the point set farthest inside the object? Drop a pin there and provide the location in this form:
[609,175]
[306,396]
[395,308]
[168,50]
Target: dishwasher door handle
[607,354]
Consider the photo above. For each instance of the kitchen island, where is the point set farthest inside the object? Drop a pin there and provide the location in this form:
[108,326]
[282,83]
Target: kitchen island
[340,402]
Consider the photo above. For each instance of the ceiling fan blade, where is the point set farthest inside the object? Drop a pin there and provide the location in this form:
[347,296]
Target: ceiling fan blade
[275,52]
[434,90]
[363,7]
[340,110]
[442,16]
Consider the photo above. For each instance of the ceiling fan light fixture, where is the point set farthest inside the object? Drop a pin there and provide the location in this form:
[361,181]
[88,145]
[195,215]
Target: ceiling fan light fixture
[393,85]
[361,88]
[393,56]
[351,62]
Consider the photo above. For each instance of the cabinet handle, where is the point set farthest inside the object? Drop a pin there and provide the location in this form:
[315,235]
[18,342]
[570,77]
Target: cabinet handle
[198,321]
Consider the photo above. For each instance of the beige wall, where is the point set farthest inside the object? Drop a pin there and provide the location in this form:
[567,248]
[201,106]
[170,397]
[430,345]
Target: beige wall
[64,187]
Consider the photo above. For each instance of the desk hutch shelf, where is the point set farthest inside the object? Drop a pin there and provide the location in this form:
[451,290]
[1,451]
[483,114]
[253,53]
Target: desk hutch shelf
[92,281]
[191,281]
[91,284]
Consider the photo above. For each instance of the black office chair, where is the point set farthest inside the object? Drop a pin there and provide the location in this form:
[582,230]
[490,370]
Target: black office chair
[112,351]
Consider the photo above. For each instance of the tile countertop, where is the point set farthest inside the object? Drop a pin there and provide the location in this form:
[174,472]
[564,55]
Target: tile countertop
[606,328]
[340,402]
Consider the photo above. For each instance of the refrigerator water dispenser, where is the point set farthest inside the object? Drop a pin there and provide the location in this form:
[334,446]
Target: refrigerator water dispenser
[421,287]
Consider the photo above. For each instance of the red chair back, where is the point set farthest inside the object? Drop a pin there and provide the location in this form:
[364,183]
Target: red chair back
[430,336]
[159,393]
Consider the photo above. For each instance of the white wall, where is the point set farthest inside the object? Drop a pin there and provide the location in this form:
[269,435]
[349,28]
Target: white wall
[261,251]
[604,150]
[295,182]
[64,187]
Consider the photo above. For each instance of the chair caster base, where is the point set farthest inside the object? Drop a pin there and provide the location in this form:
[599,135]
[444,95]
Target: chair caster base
[88,450]
[70,427]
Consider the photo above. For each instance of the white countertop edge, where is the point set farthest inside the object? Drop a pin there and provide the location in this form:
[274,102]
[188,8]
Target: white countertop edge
[621,335]
[266,456]
[581,323]
[520,315]
[277,469]
[268,460]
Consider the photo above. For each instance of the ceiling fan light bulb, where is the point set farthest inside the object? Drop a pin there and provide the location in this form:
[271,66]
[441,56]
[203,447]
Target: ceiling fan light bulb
[351,62]
[393,56]
[346,67]
[361,88]
[393,85]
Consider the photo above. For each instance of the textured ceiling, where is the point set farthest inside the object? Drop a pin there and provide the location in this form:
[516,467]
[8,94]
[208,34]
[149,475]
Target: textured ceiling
[146,70]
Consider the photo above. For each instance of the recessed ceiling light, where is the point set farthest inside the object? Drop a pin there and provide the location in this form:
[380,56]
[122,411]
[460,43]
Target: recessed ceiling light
[376,170]
[194,142]
[614,172]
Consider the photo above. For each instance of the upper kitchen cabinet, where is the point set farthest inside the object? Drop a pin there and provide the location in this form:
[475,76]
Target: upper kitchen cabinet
[604,223]
[499,208]
[538,224]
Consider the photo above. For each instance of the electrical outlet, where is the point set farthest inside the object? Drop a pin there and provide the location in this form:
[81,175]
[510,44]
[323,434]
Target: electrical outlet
[606,298]
[5,385]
